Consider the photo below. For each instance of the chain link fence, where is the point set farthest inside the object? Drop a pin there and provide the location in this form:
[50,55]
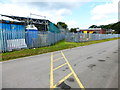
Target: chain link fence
[80,37]
[10,41]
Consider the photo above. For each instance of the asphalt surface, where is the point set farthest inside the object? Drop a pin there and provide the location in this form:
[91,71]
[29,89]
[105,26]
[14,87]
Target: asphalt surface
[96,66]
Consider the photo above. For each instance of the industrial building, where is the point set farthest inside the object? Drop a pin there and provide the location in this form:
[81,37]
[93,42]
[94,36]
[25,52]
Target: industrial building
[41,24]
[23,32]
[93,30]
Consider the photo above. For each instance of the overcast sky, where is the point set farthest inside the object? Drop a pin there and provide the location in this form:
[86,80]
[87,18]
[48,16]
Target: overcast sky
[75,13]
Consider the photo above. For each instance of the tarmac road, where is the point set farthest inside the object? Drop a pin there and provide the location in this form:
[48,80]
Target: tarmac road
[96,66]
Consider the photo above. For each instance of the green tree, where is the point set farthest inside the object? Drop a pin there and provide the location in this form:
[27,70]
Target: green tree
[101,26]
[114,26]
[62,24]
[73,30]
[93,26]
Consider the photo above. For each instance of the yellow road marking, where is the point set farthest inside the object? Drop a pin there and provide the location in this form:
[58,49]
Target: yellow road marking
[52,86]
[51,73]
[77,79]
[57,59]
[59,66]
[66,77]
[56,54]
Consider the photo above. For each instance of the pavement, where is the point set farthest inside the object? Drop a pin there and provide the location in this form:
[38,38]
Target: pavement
[95,65]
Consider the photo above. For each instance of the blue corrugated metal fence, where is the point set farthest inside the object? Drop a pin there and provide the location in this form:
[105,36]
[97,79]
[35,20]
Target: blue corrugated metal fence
[9,40]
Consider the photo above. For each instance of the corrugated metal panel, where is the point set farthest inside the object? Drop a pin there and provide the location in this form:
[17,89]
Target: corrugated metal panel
[13,36]
[4,37]
[1,37]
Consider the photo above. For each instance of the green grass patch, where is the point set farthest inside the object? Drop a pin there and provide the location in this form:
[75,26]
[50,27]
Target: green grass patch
[58,46]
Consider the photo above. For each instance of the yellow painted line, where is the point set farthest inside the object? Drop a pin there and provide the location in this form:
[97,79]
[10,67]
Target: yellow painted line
[66,77]
[51,73]
[77,79]
[56,54]
[59,66]
[57,59]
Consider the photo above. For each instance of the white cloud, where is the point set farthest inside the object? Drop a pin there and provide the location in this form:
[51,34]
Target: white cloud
[99,17]
[105,13]
[51,0]
[60,0]
[23,10]
[12,9]
[109,21]
[108,8]
[54,11]
[72,24]
[64,11]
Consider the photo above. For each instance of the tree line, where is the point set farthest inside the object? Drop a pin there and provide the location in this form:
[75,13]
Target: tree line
[65,26]
[113,26]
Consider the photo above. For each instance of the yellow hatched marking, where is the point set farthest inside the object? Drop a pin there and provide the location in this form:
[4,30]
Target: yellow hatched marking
[51,73]
[52,86]
[59,66]
[66,77]
[56,54]
[77,79]
[57,59]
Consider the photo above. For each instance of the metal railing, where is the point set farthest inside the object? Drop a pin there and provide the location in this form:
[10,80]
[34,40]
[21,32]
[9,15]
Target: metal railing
[80,37]
[10,41]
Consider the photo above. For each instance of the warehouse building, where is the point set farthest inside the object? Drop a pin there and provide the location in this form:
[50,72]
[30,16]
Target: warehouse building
[93,30]
[23,32]
[41,24]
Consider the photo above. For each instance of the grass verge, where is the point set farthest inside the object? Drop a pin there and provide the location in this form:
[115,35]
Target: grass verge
[58,46]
